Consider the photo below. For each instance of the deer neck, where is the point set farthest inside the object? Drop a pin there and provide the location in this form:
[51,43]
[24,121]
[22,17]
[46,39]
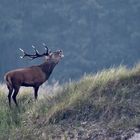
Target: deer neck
[47,68]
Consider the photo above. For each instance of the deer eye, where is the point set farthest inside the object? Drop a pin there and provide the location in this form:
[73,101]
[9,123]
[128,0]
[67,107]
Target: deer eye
[60,52]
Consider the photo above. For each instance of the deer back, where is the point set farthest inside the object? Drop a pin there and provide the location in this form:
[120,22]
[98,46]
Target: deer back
[30,76]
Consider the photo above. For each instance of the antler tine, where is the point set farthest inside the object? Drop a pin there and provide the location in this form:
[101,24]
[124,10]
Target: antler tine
[21,50]
[44,44]
[46,48]
[36,51]
[24,54]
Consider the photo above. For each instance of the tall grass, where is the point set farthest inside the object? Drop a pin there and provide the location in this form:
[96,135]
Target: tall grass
[13,119]
[111,96]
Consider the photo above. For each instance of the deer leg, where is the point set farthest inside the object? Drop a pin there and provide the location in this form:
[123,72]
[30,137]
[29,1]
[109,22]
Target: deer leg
[36,92]
[16,90]
[9,96]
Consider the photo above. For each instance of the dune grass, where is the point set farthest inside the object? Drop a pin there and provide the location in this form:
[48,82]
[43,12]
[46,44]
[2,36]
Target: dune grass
[110,96]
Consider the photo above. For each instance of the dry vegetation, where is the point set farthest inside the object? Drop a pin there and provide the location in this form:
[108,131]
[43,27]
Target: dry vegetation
[103,105]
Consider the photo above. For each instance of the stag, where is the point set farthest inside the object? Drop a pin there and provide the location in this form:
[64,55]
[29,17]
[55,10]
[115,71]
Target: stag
[33,76]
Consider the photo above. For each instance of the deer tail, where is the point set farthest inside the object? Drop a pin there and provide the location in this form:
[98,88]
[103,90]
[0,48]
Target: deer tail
[8,81]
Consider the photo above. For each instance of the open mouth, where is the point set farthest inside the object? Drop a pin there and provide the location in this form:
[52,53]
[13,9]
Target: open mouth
[62,55]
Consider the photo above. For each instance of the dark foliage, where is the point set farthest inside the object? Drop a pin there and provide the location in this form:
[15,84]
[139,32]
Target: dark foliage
[94,34]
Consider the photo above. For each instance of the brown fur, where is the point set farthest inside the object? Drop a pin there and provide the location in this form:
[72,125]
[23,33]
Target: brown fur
[33,76]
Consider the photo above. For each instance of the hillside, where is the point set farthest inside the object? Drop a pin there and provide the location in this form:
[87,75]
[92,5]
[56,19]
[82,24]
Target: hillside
[99,106]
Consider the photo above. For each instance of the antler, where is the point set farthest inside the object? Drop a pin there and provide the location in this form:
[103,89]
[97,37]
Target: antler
[36,55]
[46,48]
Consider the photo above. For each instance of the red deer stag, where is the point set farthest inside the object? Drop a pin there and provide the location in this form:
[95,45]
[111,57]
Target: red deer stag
[33,76]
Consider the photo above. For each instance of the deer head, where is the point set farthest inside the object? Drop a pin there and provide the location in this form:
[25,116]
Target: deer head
[55,56]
